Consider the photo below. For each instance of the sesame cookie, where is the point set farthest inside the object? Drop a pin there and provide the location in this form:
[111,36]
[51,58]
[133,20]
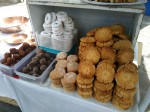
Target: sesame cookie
[91,53]
[82,80]
[108,53]
[105,44]
[85,86]
[62,63]
[105,73]
[117,29]
[72,67]
[87,39]
[72,58]
[125,56]
[126,93]
[61,56]
[122,44]
[103,86]
[103,34]
[126,78]
[86,69]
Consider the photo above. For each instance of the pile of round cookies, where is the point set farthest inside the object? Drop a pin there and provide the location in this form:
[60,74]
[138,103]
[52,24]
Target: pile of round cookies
[58,26]
[106,63]
[38,63]
[14,55]
[116,1]
[65,72]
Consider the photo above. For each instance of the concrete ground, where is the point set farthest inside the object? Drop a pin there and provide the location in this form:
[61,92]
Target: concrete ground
[144,69]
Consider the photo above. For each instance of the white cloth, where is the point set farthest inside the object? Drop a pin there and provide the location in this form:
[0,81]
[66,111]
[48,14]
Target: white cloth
[46,98]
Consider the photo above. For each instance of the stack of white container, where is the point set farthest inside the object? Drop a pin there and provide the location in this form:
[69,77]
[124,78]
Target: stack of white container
[60,30]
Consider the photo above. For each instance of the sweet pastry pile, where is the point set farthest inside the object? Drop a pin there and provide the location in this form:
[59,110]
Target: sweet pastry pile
[38,63]
[58,26]
[14,55]
[106,69]
[65,72]
[116,1]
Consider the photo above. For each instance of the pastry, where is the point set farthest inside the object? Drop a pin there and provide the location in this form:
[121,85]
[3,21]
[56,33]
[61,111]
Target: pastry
[121,106]
[87,94]
[126,78]
[62,63]
[70,89]
[110,62]
[82,80]
[91,53]
[117,29]
[7,54]
[108,53]
[57,73]
[42,61]
[85,86]
[103,86]
[125,56]
[122,99]
[86,69]
[70,77]
[103,100]
[103,92]
[73,58]
[66,84]
[122,44]
[123,36]
[85,89]
[126,93]
[105,44]
[61,56]
[103,34]
[72,67]
[56,82]
[92,32]
[87,40]
[130,66]
[13,51]
[43,67]
[86,44]
[105,73]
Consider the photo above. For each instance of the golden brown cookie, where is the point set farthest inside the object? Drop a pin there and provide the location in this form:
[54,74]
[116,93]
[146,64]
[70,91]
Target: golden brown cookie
[70,77]
[70,89]
[85,86]
[105,44]
[85,89]
[126,93]
[102,86]
[86,44]
[122,99]
[56,82]
[102,92]
[122,44]
[105,73]
[115,38]
[73,58]
[117,29]
[108,53]
[103,34]
[130,66]
[82,80]
[61,56]
[125,56]
[66,84]
[121,105]
[72,67]
[108,62]
[86,69]
[61,63]
[87,94]
[87,39]
[55,74]
[103,100]
[91,53]
[126,78]
[123,36]
[92,32]
[102,96]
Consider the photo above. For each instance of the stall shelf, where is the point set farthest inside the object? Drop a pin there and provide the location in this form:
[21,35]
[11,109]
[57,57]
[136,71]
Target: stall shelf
[85,16]
[88,16]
